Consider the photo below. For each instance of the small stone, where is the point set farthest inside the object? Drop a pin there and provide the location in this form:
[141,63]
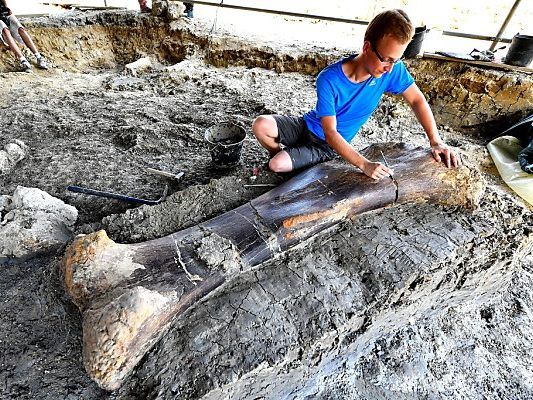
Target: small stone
[138,67]
[5,164]
[5,200]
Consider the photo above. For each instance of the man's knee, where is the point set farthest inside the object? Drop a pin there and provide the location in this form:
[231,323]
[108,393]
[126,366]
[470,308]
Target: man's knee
[264,126]
[6,34]
[281,162]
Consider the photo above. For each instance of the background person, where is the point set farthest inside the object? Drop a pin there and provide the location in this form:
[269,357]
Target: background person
[13,32]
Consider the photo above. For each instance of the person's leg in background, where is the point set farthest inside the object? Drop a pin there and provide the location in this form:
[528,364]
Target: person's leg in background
[10,42]
[144,6]
[189,9]
[17,28]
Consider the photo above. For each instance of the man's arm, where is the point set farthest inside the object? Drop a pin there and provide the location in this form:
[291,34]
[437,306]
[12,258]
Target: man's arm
[420,107]
[374,170]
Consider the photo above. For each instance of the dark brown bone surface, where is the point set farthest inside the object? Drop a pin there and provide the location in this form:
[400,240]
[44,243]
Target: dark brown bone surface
[128,294]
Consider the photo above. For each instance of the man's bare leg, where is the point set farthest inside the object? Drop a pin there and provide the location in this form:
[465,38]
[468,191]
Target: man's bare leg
[11,43]
[265,130]
[281,162]
[41,62]
[27,40]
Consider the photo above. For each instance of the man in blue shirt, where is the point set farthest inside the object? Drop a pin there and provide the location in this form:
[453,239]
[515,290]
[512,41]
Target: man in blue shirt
[348,91]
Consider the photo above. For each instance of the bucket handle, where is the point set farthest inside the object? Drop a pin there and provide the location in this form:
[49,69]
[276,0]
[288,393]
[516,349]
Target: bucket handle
[246,139]
[233,144]
[227,145]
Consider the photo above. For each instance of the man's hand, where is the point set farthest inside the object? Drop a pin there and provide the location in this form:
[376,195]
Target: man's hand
[443,153]
[376,170]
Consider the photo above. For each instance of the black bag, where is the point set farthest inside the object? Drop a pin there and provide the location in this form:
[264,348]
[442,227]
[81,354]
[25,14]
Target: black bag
[523,130]
[525,157]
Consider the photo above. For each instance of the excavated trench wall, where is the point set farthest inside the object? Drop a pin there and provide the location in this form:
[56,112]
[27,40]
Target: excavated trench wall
[462,96]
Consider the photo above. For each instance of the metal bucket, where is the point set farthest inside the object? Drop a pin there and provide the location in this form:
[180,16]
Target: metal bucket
[415,45]
[520,52]
[224,141]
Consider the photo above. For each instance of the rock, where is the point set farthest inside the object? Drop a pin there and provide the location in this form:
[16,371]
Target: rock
[35,222]
[12,153]
[5,200]
[169,10]
[175,10]
[138,67]
[16,150]
[159,7]
[471,343]
[5,165]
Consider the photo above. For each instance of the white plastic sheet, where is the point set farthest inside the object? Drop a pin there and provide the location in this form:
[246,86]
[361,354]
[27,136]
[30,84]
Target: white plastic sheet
[504,152]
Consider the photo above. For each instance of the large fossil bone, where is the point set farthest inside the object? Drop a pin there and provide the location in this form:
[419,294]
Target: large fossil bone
[128,294]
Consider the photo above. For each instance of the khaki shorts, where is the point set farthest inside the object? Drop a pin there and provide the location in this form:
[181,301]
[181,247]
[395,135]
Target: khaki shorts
[14,26]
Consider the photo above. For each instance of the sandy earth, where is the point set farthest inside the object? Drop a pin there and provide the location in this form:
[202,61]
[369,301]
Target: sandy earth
[100,129]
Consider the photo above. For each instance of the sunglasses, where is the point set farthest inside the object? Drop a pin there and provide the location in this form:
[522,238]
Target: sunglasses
[382,59]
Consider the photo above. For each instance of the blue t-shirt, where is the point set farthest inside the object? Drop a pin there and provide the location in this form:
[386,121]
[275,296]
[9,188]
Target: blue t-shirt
[352,103]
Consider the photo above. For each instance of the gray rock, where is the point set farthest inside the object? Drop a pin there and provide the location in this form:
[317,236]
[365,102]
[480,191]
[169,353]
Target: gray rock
[138,67]
[170,10]
[5,200]
[471,343]
[35,222]
[175,10]
[16,150]
[5,164]
[12,153]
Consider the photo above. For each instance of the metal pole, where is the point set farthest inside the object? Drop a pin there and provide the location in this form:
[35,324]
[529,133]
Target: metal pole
[474,36]
[278,12]
[502,29]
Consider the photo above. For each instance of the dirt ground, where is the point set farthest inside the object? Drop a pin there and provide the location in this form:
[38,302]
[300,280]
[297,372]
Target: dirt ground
[101,129]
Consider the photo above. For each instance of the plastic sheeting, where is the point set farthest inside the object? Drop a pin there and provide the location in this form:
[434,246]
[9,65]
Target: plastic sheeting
[504,152]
